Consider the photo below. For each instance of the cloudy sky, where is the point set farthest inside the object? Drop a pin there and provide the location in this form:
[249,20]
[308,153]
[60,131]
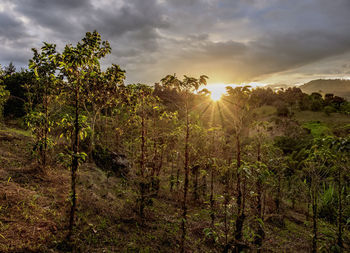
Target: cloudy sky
[231,41]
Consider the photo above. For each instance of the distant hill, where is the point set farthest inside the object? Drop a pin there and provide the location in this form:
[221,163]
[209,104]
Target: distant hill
[338,87]
[278,86]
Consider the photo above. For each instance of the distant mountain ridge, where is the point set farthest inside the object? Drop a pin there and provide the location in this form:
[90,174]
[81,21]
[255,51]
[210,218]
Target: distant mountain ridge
[339,87]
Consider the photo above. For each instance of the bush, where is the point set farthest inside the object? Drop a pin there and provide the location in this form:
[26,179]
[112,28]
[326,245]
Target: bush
[316,105]
[4,95]
[282,110]
[329,109]
[328,204]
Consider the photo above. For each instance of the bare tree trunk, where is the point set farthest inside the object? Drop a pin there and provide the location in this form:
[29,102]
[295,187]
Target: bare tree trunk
[195,171]
[172,176]
[314,220]
[260,232]
[178,178]
[74,164]
[308,204]
[278,197]
[340,211]
[240,201]
[143,183]
[212,201]
[186,167]
[46,128]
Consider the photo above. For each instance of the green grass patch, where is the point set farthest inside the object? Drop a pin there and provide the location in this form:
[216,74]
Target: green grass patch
[317,129]
[16,131]
[332,120]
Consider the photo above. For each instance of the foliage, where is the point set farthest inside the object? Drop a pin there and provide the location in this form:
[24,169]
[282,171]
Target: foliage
[243,173]
[4,95]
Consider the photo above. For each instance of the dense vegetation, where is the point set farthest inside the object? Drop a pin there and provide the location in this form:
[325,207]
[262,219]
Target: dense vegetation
[339,87]
[222,176]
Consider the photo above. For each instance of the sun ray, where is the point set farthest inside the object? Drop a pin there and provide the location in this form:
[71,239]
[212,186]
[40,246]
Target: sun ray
[216,90]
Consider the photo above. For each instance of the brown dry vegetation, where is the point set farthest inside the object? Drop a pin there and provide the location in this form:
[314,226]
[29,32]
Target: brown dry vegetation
[34,210]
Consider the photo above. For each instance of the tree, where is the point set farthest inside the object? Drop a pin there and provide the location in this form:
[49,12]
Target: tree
[316,169]
[340,149]
[10,69]
[101,90]
[44,65]
[185,88]
[4,95]
[76,65]
[260,171]
[238,99]
[15,84]
[142,107]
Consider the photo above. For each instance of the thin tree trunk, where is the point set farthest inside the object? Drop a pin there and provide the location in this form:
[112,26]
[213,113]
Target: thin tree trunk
[240,200]
[314,220]
[142,162]
[172,176]
[308,204]
[260,232]
[74,164]
[186,167]
[340,211]
[212,201]
[278,197]
[226,194]
[195,183]
[178,178]
[46,128]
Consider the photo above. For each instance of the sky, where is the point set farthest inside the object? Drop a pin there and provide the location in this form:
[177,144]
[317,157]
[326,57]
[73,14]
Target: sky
[231,41]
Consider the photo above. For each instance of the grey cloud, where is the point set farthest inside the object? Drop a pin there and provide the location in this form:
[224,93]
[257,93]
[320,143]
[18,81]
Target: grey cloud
[11,28]
[229,40]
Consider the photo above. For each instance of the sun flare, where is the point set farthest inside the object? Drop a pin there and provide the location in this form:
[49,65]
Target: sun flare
[216,90]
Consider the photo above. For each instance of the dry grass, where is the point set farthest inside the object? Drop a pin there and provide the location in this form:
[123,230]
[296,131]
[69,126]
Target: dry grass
[34,209]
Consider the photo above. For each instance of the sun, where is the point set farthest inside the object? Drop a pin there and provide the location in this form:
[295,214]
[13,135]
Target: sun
[216,90]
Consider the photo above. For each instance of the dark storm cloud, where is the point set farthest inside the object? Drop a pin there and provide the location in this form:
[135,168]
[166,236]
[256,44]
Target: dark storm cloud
[282,35]
[238,40]
[10,29]
[57,16]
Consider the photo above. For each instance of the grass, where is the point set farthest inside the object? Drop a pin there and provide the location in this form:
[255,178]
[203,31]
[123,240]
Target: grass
[34,213]
[317,129]
[265,111]
[331,121]
[15,131]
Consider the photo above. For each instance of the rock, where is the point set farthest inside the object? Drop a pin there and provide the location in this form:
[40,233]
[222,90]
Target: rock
[111,161]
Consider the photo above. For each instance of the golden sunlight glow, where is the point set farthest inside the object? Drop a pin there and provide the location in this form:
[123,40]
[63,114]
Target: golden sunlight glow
[216,90]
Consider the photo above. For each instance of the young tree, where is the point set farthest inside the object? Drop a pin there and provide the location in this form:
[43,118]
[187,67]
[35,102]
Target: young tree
[260,171]
[4,95]
[44,65]
[238,101]
[340,149]
[76,65]
[185,87]
[316,169]
[101,90]
[10,69]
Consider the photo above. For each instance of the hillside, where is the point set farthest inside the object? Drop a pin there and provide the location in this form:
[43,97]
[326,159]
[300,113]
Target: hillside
[89,163]
[34,210]
[338,87]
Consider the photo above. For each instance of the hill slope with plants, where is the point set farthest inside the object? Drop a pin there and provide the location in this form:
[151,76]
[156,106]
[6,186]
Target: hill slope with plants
[90,164]
[338,87]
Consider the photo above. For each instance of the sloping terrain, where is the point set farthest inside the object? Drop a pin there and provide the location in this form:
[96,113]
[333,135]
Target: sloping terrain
[338,87]
[34,212]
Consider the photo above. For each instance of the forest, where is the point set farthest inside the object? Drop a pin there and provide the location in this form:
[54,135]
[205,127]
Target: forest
[89,163]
